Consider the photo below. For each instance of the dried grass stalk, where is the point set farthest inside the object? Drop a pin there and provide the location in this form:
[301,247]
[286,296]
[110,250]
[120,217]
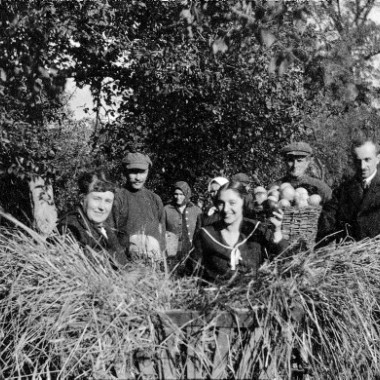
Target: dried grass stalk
[68,314]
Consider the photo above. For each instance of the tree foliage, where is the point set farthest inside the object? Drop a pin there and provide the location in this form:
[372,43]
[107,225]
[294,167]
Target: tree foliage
[203,97]
[206,88]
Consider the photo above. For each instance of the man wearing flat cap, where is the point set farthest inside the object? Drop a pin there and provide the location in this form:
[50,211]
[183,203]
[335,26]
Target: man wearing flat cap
[138,214]
[297,158]
[243,178]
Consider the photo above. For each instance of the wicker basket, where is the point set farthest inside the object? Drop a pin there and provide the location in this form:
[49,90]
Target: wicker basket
[301,224]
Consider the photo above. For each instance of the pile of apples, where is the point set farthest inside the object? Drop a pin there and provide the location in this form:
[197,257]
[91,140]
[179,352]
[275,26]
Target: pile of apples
[285,196]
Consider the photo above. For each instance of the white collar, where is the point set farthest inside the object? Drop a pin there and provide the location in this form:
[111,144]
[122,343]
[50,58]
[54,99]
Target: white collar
[370,178]
[235,256]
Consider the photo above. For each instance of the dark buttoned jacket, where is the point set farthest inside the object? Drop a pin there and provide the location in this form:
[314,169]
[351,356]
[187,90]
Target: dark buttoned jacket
[352,212]
[174,219]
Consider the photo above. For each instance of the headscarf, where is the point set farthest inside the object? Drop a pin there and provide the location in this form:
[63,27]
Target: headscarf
[185,188]
[219,180]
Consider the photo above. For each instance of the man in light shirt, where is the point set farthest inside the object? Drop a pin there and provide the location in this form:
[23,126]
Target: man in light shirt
[354,210]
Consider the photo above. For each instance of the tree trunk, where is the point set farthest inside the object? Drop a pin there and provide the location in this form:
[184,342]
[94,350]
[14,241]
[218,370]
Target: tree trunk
[43,207]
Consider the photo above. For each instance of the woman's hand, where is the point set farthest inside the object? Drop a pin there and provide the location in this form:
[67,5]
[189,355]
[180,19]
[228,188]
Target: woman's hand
[276,220]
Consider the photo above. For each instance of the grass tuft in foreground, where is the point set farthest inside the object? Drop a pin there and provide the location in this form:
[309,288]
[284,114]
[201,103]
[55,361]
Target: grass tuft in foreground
[69,314]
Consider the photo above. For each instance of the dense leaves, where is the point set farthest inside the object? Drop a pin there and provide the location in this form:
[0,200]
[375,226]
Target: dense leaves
[206,88]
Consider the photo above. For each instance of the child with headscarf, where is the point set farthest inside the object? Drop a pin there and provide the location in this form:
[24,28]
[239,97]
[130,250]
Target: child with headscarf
[181,219]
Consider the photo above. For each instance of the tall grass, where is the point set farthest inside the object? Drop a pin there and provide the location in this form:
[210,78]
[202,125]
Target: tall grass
[69,314]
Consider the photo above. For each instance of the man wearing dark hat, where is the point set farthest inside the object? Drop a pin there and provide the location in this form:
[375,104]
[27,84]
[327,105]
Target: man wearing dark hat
[243,178]
[297,158]
[138,214]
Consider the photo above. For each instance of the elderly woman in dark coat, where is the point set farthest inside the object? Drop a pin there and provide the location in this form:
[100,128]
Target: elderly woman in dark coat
[87,222]
[181,219]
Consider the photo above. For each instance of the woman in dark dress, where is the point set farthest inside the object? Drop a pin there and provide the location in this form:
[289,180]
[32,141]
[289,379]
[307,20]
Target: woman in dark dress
[235,244]
[87,222]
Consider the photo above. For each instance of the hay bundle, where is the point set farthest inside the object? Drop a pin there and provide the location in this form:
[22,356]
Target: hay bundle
[68,314]
[317,313]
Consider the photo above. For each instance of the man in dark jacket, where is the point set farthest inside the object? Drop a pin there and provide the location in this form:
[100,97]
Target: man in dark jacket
[297,158]
[354,210]
[138,214]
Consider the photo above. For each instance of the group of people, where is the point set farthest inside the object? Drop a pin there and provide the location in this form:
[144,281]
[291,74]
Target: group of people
[225,238]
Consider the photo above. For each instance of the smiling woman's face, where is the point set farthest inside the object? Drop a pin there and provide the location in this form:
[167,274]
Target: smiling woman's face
[97,205]
[230,205]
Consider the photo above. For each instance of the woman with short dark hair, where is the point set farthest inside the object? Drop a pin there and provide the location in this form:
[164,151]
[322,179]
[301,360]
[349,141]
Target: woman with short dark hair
[87,222]
[235,245]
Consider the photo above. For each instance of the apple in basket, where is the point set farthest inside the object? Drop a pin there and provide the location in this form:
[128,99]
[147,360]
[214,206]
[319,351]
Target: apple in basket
[274,193]
[315,200]
[283,185]
[274,187]
[288,193]
[284,203]
[301,197]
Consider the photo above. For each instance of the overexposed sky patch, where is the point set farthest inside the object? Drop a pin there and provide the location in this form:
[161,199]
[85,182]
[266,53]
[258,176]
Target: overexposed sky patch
[375,12]
[79,99]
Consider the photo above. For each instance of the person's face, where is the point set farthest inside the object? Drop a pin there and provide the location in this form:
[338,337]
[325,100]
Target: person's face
[214,187]
[137,178]
[366,160]
[230,206]
[297,165]
[179,197]
[97,205]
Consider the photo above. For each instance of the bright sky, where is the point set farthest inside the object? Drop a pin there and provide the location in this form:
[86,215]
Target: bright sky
[81,98]
[375,14]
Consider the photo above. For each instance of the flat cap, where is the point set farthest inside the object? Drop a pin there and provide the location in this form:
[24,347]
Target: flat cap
[137,161]
[241,177]
[299,148]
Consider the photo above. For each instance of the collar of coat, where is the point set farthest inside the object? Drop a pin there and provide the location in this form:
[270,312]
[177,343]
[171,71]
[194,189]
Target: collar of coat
[85,223]
[247,227]
[357,182]
[372,195]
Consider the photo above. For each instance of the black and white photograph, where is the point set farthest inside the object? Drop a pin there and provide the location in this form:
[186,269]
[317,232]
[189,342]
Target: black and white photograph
[190,189]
